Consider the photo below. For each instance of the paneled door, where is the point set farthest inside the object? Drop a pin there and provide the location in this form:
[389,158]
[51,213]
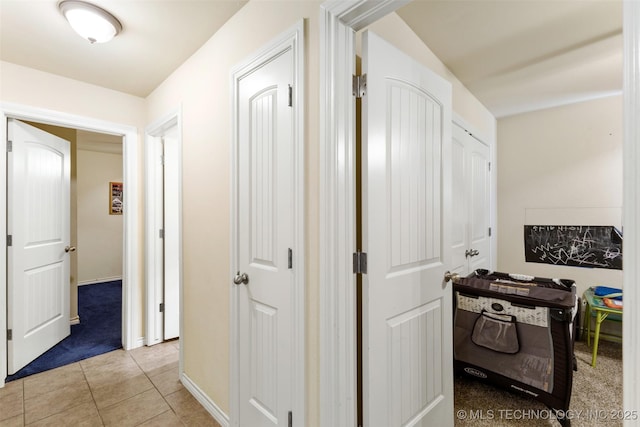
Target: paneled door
[38,222]
[471,237]
[407,313]
[479,185]
[264,276]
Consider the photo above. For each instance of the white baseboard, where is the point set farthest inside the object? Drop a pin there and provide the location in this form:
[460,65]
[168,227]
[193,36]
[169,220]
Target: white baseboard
[102,280]
[205,401]
[74,320]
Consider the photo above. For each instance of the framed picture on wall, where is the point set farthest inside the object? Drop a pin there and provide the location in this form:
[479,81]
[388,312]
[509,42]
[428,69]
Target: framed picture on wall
[115,198]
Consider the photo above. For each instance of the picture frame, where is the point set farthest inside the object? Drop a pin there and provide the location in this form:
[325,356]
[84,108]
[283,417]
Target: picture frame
[115,198]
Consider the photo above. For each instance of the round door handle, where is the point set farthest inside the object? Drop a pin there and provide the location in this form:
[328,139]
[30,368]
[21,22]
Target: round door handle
[451,276]
[68,249]
[241,279]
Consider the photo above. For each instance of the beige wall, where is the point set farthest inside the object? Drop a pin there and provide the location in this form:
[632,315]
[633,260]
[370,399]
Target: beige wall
[559,166]
[202,86]
[99,233]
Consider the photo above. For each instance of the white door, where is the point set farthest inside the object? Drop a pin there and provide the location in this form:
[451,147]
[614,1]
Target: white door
[171,294]
[479,204]
[460,203]
[163,238]
[471,203]
[38,221]
[265,233]
[407,313]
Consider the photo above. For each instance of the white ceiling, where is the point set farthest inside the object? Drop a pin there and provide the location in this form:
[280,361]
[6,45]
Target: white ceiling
[523,55]
[157,36]
[514,55]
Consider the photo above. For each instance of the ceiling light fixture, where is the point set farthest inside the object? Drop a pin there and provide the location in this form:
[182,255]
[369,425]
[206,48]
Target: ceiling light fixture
[89,21]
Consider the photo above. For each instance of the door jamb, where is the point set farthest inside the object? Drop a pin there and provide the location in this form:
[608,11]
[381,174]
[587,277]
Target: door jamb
[153,287]
[631,205]
[339,22]
[130,276]
[292,39]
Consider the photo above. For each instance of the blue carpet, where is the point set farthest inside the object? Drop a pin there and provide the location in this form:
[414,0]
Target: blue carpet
[100,330]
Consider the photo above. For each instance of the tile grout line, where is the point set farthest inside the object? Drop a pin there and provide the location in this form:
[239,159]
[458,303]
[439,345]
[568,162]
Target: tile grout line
[159,392]
[24,411]
[84,374]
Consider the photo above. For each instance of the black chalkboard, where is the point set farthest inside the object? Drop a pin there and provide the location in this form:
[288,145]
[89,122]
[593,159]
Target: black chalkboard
[574,245]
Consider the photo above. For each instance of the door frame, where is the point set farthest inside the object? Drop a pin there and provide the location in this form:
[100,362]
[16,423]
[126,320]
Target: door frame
[631,204]
[153,253]
[292,39]
[338,23]
[130,275]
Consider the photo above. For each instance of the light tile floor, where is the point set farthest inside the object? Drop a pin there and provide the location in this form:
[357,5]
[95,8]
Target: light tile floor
[120,388]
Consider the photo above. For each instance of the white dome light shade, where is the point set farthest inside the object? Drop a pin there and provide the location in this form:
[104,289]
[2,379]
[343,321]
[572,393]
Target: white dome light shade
[91,22]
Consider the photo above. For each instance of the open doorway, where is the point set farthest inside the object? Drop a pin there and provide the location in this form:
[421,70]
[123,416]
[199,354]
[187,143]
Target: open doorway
[338,143]
[131,314]
[94,248]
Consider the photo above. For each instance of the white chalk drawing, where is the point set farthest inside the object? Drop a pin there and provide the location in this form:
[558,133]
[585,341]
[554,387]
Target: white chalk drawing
[574,245]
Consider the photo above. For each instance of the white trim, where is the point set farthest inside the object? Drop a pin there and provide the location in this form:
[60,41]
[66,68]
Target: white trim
[208,404]
[631,207]
[139,342]
[486,139]
[292,39]
[130,297]
[100,280]
[338,23]
[153,250]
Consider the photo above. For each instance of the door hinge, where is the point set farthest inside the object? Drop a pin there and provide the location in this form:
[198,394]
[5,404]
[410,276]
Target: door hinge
[290,419]
[9,146]
[9,334]
[290,259]
[489,231]
[489,166]
[9,240]
[359,86]
[359,263]
[290,96]
[161,233]
[161,307]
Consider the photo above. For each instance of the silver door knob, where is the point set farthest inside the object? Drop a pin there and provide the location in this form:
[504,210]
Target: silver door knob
[68,249]
[241,278]
[451,276]
[471,253]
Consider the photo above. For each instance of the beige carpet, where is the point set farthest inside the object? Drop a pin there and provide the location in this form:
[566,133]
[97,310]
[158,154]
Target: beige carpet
[596,399]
